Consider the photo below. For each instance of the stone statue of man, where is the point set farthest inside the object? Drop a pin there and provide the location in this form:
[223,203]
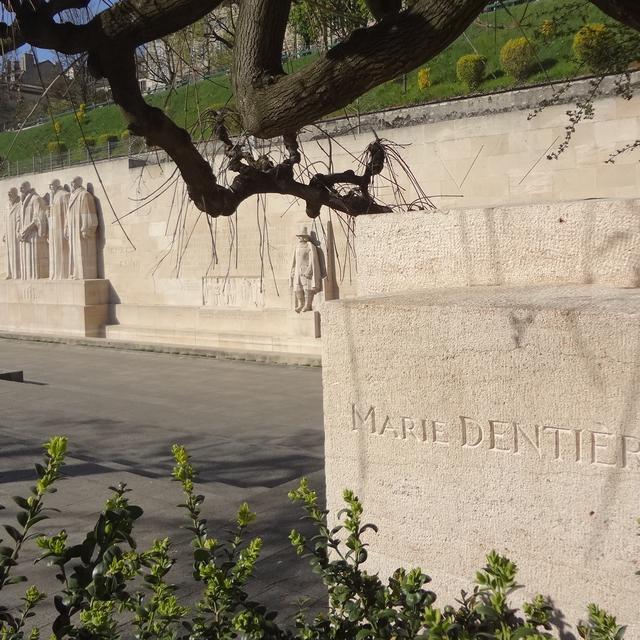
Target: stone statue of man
[306,275]
[34,253]
[81,226]
[58,244]
[11,234]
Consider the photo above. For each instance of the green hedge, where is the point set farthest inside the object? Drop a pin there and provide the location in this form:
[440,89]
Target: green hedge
[110,588]
[470,69]
[56,147]
[108,139]
[517,58]
[87,141]
[595,46]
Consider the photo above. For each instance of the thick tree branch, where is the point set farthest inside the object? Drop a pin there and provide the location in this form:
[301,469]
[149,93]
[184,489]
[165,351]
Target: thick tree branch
[128,23]
[625,11]
[144,120]
[254,176]
[259,40]
[10,37]
[262,176]
[54,7]
[141,21]
[270,106]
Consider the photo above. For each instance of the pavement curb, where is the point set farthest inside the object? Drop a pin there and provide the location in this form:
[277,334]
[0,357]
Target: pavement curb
[265,357]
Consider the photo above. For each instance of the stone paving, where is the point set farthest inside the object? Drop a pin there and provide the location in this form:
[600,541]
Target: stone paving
[253,429]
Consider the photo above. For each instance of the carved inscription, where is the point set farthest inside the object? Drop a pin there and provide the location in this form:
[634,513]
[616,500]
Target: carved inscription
[599,448]
[233,292]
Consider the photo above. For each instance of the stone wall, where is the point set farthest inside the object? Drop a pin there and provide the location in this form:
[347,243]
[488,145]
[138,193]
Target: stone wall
[477,152]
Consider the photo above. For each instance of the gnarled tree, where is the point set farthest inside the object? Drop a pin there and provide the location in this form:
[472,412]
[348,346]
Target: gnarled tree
[269,102]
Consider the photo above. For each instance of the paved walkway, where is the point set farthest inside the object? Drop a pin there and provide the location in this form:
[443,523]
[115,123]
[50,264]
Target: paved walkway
[253,431]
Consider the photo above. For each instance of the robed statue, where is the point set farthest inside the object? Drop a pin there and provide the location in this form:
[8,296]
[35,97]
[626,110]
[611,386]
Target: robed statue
[58,244]
[11,235]
[81,227]
[33,231]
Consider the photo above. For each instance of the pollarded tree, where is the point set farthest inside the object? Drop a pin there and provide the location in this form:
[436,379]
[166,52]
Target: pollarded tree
[269,102]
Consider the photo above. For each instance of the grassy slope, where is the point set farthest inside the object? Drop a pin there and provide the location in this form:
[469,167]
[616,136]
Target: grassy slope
[184,103]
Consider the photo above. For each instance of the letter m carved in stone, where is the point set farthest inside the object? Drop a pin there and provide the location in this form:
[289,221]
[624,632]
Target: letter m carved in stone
[357,421]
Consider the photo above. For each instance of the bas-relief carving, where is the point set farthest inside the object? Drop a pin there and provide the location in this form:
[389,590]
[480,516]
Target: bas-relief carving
[58,242]
[33,233]
[52,237]
[307,271]
[594,447]
[11,234]
[81,227]
[233,292]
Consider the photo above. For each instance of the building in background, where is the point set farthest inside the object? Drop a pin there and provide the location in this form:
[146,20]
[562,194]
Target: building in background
[23,80]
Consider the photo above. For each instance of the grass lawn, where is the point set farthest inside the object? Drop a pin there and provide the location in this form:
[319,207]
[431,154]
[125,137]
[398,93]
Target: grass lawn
[486,36]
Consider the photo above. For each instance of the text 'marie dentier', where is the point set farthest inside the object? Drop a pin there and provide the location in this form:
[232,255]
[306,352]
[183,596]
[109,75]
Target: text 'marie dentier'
[596,447]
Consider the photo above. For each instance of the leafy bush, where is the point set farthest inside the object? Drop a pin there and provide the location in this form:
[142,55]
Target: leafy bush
[81,113]
[57,127]
[594,46]
[108,139]
[87,141]
[109,586]
[470,69]
[547,29]
[424,78]
[56,147]
[517,57]
[125,135]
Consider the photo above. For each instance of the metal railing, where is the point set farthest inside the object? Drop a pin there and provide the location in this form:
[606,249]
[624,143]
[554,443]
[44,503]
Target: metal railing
[501,4]
[72,157]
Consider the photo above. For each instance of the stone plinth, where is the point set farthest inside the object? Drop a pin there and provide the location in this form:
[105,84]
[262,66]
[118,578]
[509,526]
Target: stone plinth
[59,307]
[493,417]
[246,329]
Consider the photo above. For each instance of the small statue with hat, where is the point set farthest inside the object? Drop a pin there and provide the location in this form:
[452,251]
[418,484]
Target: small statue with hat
[306,271]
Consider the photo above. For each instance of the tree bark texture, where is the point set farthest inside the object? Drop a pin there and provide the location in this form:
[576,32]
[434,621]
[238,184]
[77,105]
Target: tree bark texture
[625,11]
[271,105]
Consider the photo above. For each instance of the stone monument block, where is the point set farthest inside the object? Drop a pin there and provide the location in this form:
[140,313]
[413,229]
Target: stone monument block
[494,417]
[59,307]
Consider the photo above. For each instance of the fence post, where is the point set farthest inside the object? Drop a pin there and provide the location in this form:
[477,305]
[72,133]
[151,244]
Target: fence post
[69,156]
[34,163]
[50,162]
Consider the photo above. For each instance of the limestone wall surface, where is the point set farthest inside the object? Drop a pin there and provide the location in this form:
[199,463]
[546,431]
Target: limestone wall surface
[584,242]
[159,251]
